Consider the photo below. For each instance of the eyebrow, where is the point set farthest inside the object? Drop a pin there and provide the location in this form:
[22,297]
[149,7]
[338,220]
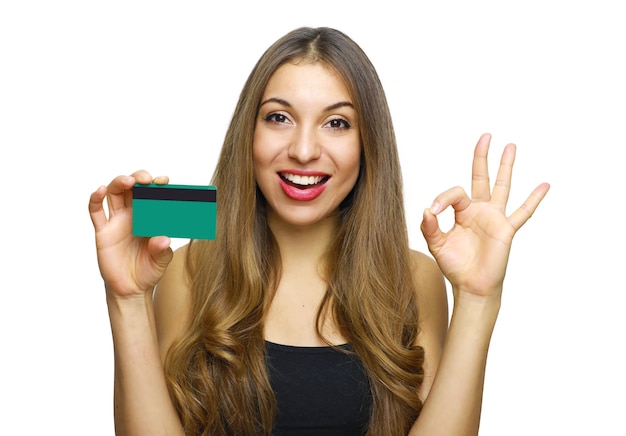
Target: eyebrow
[327,108]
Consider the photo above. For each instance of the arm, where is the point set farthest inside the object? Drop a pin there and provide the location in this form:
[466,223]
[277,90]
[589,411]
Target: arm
[130,268]
[142,404]
[473,256]
[453,403]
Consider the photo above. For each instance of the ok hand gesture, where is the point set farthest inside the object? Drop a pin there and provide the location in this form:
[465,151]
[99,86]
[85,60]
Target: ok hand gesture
[473,255]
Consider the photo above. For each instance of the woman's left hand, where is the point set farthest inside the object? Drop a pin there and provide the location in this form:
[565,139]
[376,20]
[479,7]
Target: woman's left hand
[473,255]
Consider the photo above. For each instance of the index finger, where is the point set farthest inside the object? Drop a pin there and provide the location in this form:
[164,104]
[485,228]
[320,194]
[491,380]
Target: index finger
[119,195]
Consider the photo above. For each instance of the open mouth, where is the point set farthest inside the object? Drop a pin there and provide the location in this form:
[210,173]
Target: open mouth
[303,182]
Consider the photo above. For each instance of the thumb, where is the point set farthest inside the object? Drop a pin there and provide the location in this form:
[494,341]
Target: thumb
[430,229]
[160,250]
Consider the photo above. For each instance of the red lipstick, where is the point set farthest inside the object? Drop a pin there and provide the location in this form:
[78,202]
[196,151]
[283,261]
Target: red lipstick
[302,192]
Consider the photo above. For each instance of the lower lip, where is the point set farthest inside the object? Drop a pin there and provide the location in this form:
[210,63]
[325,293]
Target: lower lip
[297,194]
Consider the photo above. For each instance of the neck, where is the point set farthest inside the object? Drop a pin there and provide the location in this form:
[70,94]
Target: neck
[302,245]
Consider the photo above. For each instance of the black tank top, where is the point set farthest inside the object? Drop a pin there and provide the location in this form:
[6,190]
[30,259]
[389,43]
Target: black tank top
[319,391]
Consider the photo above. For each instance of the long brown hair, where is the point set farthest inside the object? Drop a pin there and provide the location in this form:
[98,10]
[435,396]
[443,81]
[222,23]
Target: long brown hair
[216,371]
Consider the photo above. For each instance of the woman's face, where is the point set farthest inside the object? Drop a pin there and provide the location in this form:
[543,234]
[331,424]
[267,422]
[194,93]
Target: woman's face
[306,146]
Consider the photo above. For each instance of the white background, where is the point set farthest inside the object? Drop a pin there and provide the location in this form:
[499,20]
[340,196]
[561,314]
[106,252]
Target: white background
[93,89]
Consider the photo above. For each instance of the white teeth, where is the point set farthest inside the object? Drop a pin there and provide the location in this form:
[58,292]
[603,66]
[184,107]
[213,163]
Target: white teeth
[302,180]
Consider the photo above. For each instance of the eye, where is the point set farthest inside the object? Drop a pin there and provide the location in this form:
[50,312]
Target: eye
[276,118]
[338,123]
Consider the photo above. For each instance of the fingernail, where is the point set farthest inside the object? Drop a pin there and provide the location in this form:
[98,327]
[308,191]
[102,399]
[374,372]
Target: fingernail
[435,208]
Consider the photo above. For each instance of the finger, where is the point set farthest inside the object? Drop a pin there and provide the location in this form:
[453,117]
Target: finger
[141,176]
[144,177]
[502,186]
[96,208]
[160,251]
[120,195]
[526,210]
[431,231]
[117,191]
[481,189]
[455,197]
[161,180]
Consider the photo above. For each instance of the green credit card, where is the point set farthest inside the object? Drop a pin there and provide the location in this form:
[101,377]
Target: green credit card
[177,211]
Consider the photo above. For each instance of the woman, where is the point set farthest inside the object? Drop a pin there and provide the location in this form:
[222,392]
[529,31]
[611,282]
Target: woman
[308,314]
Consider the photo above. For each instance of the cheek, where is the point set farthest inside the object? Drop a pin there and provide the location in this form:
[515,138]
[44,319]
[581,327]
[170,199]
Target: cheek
[353,161]
[262,159]
[259,152]
[264,147]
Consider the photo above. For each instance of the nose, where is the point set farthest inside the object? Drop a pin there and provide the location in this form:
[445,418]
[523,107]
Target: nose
[305,146]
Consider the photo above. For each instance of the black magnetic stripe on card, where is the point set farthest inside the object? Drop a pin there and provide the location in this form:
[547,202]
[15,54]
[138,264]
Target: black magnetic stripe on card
[150,193]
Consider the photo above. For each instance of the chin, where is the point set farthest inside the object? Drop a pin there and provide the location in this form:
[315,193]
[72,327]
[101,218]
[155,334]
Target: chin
[303,218]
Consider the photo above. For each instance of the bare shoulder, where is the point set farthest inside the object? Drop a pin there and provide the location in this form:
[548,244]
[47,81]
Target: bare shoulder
[432,299]
[430,284]
[171,301]
[425,269]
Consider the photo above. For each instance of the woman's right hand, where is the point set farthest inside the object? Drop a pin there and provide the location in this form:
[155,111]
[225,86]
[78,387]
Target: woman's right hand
[130,266]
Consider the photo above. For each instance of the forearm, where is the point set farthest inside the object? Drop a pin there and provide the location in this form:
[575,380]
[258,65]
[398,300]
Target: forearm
[142,403]
[453,406]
